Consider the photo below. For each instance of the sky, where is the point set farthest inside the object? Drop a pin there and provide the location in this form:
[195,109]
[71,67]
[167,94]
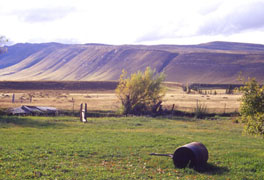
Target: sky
[132,21]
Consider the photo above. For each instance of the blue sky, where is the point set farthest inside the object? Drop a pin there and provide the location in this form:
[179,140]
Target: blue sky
[132,21]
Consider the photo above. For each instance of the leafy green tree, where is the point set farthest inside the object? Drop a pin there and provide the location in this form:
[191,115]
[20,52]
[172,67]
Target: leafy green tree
[142,92]
[255,124]
[252,98]
[252,107]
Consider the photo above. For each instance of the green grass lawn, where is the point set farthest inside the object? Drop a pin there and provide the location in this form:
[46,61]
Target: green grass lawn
[118,148]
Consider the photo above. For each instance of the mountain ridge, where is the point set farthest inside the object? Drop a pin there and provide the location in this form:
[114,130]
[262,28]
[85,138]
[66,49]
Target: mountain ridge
[213,62]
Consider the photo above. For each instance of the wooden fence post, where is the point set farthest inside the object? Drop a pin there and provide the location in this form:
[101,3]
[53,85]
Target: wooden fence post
[85,114]
[172,109]
[13,98]
[73,106]
[81,108]
[83,111]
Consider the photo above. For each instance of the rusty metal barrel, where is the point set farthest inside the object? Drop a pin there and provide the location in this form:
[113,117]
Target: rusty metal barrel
[193,154]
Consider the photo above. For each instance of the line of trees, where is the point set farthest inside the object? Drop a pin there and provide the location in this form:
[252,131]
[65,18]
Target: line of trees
[209,88]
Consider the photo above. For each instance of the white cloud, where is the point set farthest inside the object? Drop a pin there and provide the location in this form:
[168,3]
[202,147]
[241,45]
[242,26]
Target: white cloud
[40,15]
[234,18]
[127,21]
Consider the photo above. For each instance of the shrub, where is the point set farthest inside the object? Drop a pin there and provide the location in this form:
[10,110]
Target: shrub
[141,93]
[255,124]
[252,98]
[252,107]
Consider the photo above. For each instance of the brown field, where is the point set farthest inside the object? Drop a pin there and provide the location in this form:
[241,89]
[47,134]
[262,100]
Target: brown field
[103,98]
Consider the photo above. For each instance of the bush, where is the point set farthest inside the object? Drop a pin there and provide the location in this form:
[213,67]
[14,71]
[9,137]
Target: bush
[255,124]
[252,98]
[252,107]
[141,93]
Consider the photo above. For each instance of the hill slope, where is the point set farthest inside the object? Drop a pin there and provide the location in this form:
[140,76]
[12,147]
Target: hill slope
[215,62]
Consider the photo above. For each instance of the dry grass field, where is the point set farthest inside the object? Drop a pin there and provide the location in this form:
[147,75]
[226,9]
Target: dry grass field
[106,100]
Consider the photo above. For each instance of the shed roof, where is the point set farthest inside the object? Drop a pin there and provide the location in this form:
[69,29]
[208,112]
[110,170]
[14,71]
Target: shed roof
[27,110]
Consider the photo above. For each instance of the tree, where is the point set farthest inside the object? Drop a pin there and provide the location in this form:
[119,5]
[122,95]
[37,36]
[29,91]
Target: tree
[3,41]
[229,90]
[252,107]
[142,92]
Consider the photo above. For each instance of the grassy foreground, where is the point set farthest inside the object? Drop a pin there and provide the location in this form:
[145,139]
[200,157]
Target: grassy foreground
[118,148]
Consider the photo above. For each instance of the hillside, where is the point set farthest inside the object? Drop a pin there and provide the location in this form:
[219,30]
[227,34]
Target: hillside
[215,62]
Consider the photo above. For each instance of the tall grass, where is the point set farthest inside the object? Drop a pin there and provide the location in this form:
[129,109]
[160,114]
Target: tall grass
[200,110]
